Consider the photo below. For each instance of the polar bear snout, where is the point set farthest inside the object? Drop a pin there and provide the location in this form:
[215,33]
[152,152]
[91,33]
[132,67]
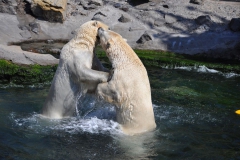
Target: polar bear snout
[100,31]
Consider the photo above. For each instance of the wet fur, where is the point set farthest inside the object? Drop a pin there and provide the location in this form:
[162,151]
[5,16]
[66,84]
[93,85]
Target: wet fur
[74,73]
[129,87]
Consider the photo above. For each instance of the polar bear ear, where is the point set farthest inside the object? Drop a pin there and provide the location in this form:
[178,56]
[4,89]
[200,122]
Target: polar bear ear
[95,23]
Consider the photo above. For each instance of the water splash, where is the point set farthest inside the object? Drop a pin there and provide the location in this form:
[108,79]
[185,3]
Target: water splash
[36,123]
[77,102]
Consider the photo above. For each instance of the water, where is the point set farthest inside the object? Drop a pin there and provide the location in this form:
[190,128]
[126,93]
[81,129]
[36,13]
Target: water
[194,112]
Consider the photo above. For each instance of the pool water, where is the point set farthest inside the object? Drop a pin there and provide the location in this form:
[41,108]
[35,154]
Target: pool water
[194,112]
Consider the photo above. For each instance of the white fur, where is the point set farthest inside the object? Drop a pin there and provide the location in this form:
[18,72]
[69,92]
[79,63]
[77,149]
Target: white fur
[74,73]
[129,88]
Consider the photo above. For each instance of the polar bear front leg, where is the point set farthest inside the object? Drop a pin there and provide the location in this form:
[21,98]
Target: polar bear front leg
[81,70]
[108,92]
[89,75]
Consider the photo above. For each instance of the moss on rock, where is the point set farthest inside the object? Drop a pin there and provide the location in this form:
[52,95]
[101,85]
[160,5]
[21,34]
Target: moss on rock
[162,59]
[19,74]
[30,74]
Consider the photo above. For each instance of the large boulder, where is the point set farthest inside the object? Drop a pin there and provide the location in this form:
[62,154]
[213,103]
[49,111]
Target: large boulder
[50,10]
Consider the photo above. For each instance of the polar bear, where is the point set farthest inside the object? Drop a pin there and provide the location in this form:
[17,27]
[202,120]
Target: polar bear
[129,87]
[75,72]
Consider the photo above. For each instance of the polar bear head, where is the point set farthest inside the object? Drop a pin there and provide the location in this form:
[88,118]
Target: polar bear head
[116,47]
[108,37]
[88,32]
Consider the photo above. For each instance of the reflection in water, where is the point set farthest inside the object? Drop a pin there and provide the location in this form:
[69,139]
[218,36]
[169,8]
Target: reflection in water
[138,146]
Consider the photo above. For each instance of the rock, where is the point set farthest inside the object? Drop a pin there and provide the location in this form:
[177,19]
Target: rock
[165,6]
[50,41]
[18,56]
[117,5]
[95,2]
[26,34]
[138,2]
[124,8]
[89,7]
[203,20]
[92,4]
[152,4]
[7,8]
[74,13]
[170,18]
[123,19]
[144,38]
[23,27]
[34,27]
[235,24]
[50,10]
[199,2]
[159,22]
[98,16]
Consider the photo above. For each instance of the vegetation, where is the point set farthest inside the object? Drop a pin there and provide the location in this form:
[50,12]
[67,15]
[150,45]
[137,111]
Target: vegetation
[19,74]
[163,59]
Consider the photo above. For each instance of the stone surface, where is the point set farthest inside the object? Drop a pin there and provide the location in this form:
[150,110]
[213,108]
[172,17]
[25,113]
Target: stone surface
[197,1]
[51,10]
[16,55]
[99,16]
[206,19]
[124,8]
[235,24]
[9,31]
[7,9]
[159,22]
[34,27]
[123,19]
[174,28]
[96,2]
[26,34]
[144,38]
[117,5]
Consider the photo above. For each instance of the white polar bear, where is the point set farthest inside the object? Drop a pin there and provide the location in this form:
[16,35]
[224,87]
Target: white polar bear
[129,87]
[74,73]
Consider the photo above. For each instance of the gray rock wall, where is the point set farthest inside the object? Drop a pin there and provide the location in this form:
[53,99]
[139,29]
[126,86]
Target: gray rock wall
[173,25]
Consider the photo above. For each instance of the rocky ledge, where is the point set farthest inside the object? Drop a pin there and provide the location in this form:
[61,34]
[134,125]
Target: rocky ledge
[204,27]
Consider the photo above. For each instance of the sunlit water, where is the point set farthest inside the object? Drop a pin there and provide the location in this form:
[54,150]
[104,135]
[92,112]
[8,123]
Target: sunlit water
[194,111]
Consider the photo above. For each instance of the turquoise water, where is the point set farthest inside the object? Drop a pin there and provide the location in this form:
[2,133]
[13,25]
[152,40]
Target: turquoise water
[194,112]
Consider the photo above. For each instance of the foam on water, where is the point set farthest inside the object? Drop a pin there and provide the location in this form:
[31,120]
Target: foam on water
[204,69]
[73,125]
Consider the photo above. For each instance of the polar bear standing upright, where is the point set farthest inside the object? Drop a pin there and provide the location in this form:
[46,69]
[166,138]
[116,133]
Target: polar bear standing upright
[74,73]
[129,87]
